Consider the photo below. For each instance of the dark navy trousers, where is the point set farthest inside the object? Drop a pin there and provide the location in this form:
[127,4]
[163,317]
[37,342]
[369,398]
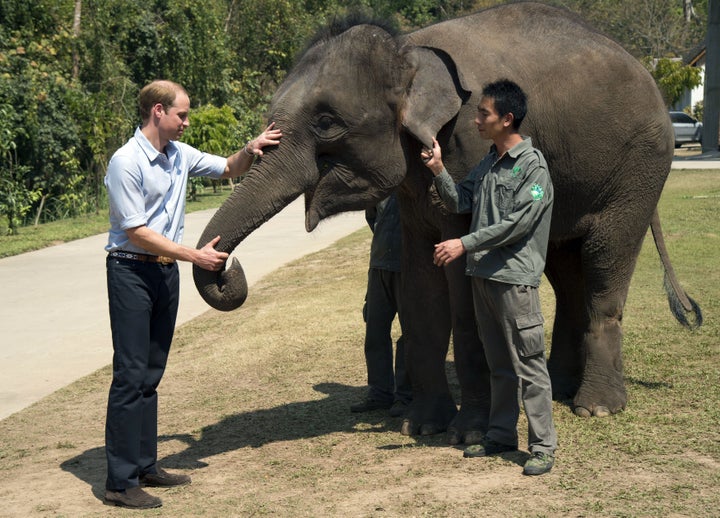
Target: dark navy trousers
[143,299]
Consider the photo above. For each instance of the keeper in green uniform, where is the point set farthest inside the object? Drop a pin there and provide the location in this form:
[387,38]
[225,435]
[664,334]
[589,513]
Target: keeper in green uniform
[510,196]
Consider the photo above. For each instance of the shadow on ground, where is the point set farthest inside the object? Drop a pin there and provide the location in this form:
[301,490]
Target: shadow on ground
[289,422]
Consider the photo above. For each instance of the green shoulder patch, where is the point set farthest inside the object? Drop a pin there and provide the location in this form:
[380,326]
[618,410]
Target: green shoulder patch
[537,192]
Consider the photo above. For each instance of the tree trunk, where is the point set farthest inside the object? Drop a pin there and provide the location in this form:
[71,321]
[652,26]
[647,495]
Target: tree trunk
[689,11]
[76,35]
[40,209]
[711,102]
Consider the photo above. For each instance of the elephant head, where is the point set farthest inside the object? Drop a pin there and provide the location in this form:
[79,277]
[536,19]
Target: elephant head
[346,111]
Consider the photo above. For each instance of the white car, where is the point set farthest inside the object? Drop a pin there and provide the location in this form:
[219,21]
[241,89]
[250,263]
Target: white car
[687,129]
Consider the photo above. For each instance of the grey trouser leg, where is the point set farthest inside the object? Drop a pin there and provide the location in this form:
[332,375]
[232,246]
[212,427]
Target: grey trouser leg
[382,303]
[511,326]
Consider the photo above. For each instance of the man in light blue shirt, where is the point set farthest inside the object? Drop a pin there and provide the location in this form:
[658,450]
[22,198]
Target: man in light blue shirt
[146,182]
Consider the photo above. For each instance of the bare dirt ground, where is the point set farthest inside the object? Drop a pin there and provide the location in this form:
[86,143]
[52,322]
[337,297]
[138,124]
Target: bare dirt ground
[254,406]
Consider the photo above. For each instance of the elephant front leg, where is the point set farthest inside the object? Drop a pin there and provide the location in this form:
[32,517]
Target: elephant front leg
[471,422]
[426,328]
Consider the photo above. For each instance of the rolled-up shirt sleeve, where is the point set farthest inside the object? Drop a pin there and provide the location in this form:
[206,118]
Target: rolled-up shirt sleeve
[125,193]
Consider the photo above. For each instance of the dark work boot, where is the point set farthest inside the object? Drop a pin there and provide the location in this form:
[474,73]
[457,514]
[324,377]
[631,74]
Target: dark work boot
[487,447]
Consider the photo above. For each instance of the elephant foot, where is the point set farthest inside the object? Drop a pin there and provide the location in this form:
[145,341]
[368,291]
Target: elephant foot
[598,411]
[469,425]
[411,428]
[599,400]
[429,415]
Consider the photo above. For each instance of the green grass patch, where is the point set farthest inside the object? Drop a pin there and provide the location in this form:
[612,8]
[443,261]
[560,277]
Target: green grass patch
[48,234]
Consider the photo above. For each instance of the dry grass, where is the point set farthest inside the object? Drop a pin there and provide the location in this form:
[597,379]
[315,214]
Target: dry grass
[254,405]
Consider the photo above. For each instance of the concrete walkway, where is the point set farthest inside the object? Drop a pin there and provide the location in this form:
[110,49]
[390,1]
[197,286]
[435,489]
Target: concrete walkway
[54,323]
[710,160]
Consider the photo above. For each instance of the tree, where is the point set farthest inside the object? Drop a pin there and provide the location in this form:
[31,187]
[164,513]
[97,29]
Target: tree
[213,130]
[673,78]
[15,198]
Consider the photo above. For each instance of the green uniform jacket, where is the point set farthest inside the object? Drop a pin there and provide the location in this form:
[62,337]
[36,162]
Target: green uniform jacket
[511,200]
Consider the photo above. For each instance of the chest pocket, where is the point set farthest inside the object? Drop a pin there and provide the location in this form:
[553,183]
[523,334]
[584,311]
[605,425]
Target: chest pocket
[505,194]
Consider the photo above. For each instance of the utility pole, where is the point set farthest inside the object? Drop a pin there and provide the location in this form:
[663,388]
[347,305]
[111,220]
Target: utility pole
[711,102]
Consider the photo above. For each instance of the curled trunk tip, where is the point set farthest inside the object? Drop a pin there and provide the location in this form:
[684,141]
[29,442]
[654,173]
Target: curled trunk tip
[225,290]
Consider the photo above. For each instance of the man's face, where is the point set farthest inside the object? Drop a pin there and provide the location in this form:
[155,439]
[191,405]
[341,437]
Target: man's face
[489,122]
[174,120]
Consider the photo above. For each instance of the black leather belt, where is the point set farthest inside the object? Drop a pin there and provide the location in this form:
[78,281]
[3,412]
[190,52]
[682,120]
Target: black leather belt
[144,258]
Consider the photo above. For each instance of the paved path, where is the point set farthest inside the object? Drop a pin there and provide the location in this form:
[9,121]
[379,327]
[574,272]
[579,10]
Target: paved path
[54,324]
[709,160]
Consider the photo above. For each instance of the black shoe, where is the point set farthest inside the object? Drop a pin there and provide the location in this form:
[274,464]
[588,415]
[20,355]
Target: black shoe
[398,409]
[367,405]
[487,447]
[163,479]
[132,498]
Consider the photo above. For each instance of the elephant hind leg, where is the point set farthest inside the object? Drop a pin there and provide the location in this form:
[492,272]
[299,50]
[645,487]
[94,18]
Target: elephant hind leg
[586,360]
[566,362]
[602,391]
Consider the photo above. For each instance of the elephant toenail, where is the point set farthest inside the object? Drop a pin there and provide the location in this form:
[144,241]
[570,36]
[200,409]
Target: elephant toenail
[602,411]
[582,412]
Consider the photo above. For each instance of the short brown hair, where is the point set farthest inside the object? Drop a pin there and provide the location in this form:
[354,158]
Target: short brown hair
[161,91]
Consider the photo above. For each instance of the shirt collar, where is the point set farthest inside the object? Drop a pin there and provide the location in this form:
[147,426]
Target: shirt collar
[149,150]
[515,151]
[520,147]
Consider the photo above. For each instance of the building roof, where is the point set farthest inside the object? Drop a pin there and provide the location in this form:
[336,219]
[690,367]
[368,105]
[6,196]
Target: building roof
[696,56]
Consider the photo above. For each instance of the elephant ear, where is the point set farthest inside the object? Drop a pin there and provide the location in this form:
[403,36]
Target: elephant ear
[435,94]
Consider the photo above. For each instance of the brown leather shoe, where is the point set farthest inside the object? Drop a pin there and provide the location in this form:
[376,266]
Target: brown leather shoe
[132,498]
[163,479]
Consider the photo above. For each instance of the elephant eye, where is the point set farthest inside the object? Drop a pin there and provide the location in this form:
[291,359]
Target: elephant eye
[329,128]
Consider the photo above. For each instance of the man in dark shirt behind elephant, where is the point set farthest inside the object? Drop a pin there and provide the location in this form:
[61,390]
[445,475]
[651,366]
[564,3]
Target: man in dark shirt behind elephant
[510,196]
[386,388]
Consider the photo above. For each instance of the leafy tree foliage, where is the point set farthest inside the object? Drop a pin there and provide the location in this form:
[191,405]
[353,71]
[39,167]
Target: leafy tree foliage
[673,78]
[214,130]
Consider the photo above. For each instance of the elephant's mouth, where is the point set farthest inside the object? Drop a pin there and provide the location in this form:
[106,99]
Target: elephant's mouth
[312,216]
[343,186]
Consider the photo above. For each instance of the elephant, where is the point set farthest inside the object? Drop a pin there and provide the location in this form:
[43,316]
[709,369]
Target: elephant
[356,110]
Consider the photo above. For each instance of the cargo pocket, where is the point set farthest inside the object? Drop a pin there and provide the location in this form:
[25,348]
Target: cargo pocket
[532,335]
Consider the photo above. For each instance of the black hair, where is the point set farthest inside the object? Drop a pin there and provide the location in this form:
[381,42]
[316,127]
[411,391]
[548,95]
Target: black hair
[509,98]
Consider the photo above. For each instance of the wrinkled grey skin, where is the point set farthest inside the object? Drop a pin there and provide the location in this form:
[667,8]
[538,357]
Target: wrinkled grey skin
[355,112]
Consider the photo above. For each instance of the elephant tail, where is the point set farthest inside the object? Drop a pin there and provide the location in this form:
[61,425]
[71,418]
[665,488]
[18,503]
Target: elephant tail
[680,303]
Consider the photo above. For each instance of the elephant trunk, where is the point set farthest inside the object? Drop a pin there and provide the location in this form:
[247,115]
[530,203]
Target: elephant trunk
[254,201]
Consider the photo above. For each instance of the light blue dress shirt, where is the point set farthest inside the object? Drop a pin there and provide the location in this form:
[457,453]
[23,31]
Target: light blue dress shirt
[148,187]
